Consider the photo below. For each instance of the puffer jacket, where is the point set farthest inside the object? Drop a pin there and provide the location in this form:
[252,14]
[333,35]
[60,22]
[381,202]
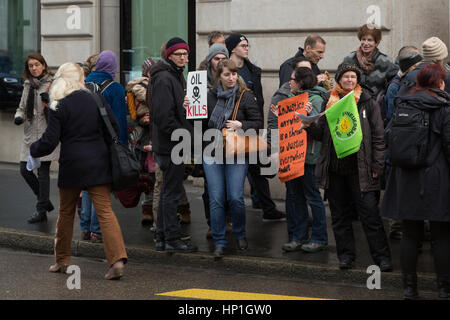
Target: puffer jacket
[371,155]
[34,129]
[316,98]
[423,194]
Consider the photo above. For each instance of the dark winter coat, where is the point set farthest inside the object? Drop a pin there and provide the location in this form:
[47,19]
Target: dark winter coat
[411,76]
[167,114]
[423,194]
[257,86]
[77,124]
[286,68]
[371,155]
[385,70]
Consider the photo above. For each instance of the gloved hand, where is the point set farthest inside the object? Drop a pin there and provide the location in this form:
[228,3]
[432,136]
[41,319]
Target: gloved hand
[18,121]
[45,97]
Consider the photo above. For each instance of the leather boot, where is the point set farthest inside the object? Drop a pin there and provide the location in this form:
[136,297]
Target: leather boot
[38,217]
[443,283]
[410,286]
[147,215]
[185,213]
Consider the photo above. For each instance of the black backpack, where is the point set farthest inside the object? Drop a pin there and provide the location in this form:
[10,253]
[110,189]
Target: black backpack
[404,85]
[408,136]
[99,88]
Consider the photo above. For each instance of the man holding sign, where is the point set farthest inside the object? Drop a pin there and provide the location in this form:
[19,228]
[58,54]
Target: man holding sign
[350,163]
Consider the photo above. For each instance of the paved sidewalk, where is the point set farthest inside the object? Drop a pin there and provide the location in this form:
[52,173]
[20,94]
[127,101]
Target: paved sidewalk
[265,239]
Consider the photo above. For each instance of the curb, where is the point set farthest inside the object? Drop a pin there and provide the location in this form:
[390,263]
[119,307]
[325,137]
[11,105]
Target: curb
[44,244]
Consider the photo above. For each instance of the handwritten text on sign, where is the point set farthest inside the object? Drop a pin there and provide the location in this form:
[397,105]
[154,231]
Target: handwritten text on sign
[292,140]
[197,93]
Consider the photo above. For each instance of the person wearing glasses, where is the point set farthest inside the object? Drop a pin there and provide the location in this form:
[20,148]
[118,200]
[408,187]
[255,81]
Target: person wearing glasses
[168,114]
[238,47]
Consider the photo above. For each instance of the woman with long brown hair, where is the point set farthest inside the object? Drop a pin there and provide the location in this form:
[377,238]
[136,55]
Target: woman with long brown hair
[32,112]
[226,180]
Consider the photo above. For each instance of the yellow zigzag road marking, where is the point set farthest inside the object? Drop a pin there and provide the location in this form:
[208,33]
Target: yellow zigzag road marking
[228,295]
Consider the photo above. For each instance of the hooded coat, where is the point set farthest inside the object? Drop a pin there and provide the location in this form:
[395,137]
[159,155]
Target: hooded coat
[423,194]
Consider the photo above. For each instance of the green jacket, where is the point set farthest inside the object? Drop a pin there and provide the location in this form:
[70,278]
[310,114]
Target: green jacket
[315,97]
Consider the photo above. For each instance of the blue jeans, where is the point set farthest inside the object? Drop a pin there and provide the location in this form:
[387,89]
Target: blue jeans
[225,183]
[88,217]
[299,192]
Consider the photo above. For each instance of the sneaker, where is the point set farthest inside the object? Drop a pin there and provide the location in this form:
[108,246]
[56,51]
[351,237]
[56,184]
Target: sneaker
[313,247]
[274,216]
[292,246]
[96,237]
[185,237]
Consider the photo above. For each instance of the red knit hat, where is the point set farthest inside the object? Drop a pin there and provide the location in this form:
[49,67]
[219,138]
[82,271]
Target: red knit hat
[175,44]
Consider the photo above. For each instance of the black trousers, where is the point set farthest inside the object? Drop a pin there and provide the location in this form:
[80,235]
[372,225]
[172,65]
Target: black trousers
[167,227]
[343,191]
[40,185]
[440,241]
[260,185]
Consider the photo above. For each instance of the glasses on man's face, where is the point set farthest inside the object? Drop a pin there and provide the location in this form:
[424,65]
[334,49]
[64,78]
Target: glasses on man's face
[181,54]
[292,79]
[244,46]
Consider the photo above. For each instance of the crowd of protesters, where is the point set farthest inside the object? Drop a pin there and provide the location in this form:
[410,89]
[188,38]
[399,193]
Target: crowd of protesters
[352,185]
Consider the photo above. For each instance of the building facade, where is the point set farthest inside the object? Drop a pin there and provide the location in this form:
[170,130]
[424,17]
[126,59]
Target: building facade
[64,30]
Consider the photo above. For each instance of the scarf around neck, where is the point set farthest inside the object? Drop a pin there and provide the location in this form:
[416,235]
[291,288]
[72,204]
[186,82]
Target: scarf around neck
[35,84]
[224,107]
[338,93]
[366,61]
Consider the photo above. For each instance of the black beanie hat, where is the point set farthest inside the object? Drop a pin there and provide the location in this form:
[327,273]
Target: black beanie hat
[174,44]
[233,40]
[345,67]
[408,62]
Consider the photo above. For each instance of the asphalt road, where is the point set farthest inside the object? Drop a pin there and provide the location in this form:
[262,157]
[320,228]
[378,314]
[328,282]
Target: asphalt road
[24,276]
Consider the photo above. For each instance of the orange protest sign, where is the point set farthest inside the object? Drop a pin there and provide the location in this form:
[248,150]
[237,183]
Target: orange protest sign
[292,140]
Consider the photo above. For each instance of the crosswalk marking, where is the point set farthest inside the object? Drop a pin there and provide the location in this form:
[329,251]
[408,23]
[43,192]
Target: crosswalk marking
[205,294]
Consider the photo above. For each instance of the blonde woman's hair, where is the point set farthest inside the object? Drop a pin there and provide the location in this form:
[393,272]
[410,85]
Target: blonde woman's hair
[68,79]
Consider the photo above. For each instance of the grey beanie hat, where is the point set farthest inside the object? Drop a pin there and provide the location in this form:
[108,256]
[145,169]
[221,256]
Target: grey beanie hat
[434,49]
[215,49]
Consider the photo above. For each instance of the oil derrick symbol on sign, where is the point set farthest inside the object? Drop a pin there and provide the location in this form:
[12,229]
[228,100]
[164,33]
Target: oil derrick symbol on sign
[197,93]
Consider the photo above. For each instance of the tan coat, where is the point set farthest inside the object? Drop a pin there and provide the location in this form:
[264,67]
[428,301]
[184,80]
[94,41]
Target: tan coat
[34,130]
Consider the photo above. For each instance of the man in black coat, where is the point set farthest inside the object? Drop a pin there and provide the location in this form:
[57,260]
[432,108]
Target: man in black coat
[168,114]
[237,45]
[314,52]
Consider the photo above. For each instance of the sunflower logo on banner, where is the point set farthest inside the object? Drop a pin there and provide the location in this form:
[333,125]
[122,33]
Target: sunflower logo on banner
[345,126]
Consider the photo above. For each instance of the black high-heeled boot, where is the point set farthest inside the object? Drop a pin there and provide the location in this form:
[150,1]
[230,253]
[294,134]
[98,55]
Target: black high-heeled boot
[410,286]
[443,283]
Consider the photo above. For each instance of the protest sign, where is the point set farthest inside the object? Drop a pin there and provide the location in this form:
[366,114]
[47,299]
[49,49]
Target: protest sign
[197,93]
[345,126]
[292,140]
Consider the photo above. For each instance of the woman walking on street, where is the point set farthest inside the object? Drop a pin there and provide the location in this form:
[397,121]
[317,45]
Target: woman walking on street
[32,112]
[75,121]
[415,195]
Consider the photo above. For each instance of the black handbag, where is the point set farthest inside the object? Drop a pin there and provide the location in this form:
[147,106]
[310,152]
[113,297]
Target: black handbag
[124,165]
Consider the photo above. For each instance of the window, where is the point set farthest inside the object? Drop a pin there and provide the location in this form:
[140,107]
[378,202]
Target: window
[19,36]
[147,24]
